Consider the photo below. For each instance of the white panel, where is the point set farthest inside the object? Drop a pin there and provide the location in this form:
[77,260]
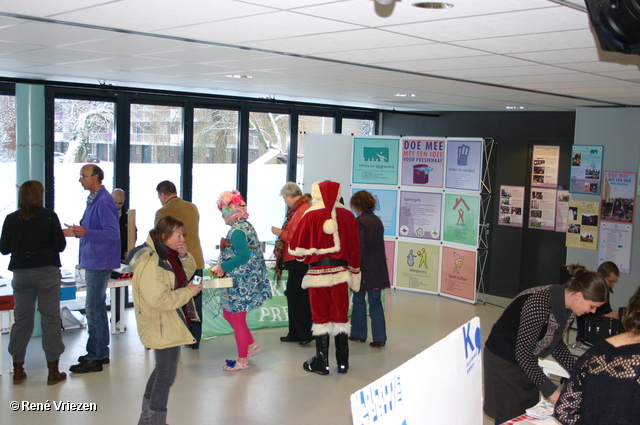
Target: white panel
[331,160]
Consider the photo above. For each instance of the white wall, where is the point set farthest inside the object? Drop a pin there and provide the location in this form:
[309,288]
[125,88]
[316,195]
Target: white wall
[618,130]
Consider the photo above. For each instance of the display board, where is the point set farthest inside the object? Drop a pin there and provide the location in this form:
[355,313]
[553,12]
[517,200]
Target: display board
[458,274]
[423,161]
[582,229]
[586,169]
[386,207]
[542,209]
[545,164]
[463,164]
[615,244]
[618,196]
[418,266]
[461,214]
[375,160]
[420,215]
[511,206]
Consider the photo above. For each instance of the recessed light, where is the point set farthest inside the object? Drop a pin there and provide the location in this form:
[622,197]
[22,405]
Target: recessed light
[432,5]
[238,76]
[405,95]
[510,107]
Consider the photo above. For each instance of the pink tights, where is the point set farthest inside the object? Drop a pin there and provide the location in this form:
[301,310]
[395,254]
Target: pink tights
[244,339]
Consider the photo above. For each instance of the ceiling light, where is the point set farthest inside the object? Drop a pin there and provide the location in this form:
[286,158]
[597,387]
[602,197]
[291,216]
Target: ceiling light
[432,5]
[405,95]
[510,107]
[384,2]
[238,76]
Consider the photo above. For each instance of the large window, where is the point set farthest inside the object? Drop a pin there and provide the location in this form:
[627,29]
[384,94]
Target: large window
[215,152]
[8,190]
[358,127]
[156,138]
[83,134]
[268,156]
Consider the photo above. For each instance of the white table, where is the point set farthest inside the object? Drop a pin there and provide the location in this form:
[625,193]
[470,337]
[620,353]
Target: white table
[115,285]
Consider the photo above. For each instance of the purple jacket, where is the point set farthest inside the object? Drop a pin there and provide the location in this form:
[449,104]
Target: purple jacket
[100,247]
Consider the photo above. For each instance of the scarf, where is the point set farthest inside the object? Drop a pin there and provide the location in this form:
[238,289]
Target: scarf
[173,258]
[281,245]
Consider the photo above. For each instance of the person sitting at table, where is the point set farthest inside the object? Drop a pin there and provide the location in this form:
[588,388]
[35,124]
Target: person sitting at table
[532,327]
[603,387]
[611,274]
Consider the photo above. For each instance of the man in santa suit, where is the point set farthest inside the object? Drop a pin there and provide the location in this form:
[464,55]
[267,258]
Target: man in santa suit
[327,240]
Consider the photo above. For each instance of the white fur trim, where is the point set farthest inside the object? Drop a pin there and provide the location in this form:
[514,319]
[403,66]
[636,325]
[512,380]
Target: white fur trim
[354,283]
[330,226]
[324,280]
[319,329]
[341,328]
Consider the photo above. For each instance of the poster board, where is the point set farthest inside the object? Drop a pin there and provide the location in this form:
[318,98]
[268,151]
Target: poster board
[511,206]
[544,167]
[423,162]
[615,244]
[582,229]
[542,209]
[375,160]
[458,274]
[386,207]
[334,149]
[420,215]
[586,169]
[562,210]
[418,266]
[406,395]
[618,196]
[463,164]
[460,222]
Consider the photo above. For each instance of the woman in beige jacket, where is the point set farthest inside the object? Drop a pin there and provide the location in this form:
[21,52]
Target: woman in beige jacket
[163,299]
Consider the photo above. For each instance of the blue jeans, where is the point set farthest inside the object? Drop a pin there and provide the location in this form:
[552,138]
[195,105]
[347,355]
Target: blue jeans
[162,377]
[96,309]
[359,315]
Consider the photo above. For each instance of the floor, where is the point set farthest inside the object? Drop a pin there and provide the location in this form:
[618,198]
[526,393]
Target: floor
[274,391]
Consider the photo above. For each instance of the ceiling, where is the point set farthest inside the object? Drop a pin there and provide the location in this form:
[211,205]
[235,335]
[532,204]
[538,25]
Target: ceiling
[488,55]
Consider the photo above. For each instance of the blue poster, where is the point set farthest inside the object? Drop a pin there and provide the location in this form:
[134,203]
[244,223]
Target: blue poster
[386,201]
[464,163]
[375,160]
[586,169]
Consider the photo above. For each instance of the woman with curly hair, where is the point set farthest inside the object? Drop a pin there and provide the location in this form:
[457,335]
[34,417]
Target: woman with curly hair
[242,259]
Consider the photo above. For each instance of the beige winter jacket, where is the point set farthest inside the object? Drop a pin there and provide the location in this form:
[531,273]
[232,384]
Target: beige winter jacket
[160,325]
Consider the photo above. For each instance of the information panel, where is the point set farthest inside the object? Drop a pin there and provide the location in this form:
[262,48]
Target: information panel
[420,214]
[458,276]
[461,214]
[586,169]
[375,160]
[464,161]
[418,266]
[423,162]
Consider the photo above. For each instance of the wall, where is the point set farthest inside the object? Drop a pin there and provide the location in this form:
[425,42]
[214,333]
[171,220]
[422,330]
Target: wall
[618,130]
[518,258]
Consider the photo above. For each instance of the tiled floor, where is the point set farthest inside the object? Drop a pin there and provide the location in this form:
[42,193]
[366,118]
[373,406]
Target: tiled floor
[274,391]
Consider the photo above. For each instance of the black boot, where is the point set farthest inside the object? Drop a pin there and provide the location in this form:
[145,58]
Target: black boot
[342,352]
[19,374]
[320,362]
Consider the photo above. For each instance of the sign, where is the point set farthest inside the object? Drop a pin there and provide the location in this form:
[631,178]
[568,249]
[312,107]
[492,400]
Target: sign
[418,266]
[375,160]
[544,172]
[423,162]
[586,169]
[420,214]
[618,196]
[582,229]
[464,162]
[458,275]
[386,208]
[511,206]
[615,244]
[461,215]
[542,209]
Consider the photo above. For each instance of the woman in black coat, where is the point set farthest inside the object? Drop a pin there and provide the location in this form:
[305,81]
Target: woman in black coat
[375,276]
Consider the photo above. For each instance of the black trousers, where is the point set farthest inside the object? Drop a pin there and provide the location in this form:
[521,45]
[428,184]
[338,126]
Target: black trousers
[298,302]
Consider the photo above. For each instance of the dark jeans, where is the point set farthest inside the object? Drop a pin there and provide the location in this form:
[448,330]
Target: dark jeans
[162,377]
[359,315]
[96,309]
[196,327]
[41,284]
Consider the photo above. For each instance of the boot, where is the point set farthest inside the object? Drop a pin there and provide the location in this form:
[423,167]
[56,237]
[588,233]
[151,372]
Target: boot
[342,352]
[146,411]
[320,362]
[19,374]
[55,375]
[157,418]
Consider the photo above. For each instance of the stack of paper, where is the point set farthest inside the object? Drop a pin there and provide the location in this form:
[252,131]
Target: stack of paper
[542,410]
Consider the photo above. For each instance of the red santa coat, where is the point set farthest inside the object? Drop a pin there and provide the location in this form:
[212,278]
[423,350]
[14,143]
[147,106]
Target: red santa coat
[328,230]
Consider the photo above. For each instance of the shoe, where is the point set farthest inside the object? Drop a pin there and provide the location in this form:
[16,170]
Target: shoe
[87,366]
[83,359]
[306,342]
[19,374]
[353,338]
[287,339]
[256,350]
[195,346]
[55,375]
[378,344]
[233,365]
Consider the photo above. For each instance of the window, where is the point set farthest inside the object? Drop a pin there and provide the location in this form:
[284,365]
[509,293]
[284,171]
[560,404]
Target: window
[8,189]
[83,133]
[215,153]
[358,127]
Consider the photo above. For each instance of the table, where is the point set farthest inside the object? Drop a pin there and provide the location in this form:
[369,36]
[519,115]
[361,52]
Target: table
[6,304]
[115,285]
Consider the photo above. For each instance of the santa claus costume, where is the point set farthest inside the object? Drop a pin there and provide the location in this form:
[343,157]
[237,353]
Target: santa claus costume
[327,240]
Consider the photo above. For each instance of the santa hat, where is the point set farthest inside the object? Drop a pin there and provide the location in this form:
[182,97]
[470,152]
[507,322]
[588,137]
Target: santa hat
[329,192]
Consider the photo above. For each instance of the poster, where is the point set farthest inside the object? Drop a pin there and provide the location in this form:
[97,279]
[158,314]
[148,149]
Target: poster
[461,214]
[562,210]
[542,209]
[545,163]
[390,252]
[464,164]
[511,205]
[615,244]
[423,162]
[458,273]
[386,208]
[420,214]
[618,196]
[418,266]
[586,169]
[375,160]
[582,220]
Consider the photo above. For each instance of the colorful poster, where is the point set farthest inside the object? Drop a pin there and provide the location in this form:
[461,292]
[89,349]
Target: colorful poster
[418,266]
[375,160]
[542,209]
[390,251]
[386,208]
[464,164]
[461,214]
[582,220]
[420,214]
[422,162]
[562,210]
[615,244]
[544,172]
[511,205]
[458,277]
[618,196]
[586,167]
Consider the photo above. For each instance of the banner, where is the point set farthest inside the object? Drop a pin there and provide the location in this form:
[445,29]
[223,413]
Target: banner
[422,162]
[418,266]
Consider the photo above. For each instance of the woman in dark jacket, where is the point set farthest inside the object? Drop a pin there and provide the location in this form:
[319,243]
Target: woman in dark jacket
[375,276]
[33,236]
